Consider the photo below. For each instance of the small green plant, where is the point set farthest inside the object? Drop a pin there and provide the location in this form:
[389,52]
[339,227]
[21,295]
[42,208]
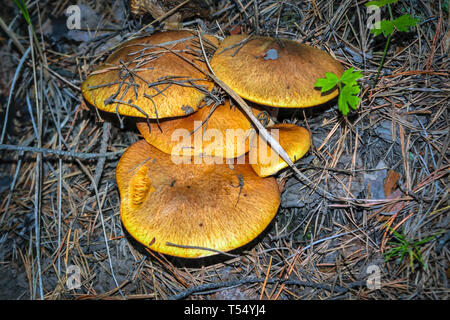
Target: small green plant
[445,6]
[387,27]
[348,88]
[24,10]
[402,247]
[22,5]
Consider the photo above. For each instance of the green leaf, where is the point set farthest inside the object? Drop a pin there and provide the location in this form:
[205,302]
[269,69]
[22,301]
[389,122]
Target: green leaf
[349,77]
[380,3]
[445,6]
[348,98]
[21,4]
[423,241]
[403,23]
[384,26]
[348,88]
[403,247]
[329,82]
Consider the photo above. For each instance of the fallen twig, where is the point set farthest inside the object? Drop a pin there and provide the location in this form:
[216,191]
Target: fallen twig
[210,286]
[70,154]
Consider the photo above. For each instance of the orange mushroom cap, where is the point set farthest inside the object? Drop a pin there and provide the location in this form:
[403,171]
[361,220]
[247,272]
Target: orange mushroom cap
[192,210]
[146,77]
[293,139]
[274,72]
[217,131]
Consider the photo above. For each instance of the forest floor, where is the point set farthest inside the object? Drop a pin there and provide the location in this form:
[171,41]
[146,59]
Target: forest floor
[389,159]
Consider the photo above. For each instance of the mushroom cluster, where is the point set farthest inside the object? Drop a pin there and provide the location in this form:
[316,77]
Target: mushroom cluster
[201,181]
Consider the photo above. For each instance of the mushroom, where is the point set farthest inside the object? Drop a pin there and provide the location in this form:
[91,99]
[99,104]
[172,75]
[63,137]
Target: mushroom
[274,72]
[280,73]
[150,78]
[214,130]
[293,139]
[192,210]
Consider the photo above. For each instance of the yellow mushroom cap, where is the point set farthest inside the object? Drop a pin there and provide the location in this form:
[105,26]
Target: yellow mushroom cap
[293,139]
[146,78]
[201,207]
[278,73]
[217,131]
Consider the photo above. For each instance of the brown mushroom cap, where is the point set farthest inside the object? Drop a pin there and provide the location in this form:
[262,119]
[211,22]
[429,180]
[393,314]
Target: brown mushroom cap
[143,78]
[220,131]
[198,206]
[293,139]
[278,73]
